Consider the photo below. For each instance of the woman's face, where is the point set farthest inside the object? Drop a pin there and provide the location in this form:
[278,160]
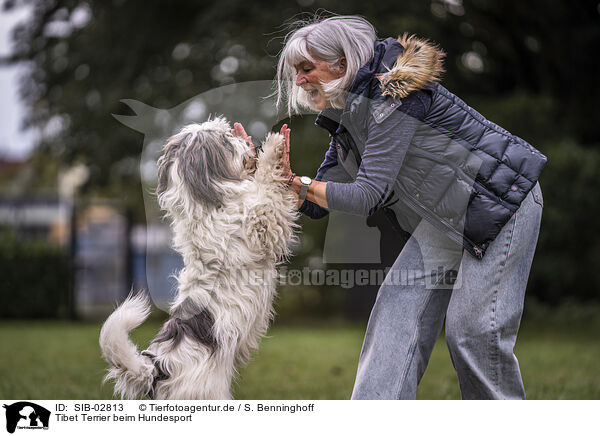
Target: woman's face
[310,76]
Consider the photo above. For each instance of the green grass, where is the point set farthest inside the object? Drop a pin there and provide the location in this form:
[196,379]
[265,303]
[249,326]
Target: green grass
[60,360]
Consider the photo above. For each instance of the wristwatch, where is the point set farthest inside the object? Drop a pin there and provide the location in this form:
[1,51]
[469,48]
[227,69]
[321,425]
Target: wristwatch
[306,181]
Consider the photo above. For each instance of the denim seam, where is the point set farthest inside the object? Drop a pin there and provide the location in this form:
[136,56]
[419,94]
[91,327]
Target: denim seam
[494,340]
[509,245]
[414,342]
[537,196]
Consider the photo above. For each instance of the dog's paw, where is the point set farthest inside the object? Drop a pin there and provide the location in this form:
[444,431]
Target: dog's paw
[272,148]
[274,144]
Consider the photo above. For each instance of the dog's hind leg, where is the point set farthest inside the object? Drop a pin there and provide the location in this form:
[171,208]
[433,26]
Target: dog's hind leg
[198,364]
[196,373]
[218,382]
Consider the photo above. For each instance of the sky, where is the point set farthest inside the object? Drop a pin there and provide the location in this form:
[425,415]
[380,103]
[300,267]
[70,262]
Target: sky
[14,143]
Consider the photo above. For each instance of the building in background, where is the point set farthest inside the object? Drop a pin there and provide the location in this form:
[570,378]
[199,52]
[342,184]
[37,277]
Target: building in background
[109,256]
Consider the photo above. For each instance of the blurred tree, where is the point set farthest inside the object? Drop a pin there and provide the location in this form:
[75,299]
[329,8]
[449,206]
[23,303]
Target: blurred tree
[82,57]
[528,65]
[537,48]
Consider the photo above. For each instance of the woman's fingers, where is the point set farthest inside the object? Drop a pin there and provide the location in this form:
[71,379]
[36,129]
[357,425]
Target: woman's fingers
[285,159]
[285,132]
[238,130]
[287,139]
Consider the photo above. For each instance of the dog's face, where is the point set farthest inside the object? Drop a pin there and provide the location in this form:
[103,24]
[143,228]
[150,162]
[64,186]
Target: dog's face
[205,158]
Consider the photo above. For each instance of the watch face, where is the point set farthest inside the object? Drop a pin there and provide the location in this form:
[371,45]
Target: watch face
[305,180]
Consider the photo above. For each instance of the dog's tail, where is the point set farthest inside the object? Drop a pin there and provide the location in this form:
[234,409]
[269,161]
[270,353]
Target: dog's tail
[131,371]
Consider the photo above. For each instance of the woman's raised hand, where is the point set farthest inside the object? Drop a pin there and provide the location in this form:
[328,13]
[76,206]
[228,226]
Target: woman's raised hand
[285,158]
[239,131]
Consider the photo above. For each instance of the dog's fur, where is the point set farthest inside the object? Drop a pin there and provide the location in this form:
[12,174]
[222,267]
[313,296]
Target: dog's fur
[227,221]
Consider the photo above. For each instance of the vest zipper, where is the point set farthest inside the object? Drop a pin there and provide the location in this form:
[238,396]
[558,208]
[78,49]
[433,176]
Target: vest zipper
[448,230]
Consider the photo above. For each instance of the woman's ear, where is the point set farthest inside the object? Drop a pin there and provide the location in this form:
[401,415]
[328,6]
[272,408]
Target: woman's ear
[342,64]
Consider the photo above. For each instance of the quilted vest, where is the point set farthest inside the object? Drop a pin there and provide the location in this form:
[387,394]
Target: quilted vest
[462,173]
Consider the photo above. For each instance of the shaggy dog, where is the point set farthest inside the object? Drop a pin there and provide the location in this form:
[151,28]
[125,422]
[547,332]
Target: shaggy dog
[232,226]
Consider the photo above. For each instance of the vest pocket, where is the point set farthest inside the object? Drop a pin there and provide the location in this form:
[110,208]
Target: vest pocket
[382,110]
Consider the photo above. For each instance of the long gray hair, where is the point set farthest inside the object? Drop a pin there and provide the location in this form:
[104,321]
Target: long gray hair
[326,39]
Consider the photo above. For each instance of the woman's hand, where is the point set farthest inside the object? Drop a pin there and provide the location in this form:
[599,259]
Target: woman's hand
[285,158]
[239,131]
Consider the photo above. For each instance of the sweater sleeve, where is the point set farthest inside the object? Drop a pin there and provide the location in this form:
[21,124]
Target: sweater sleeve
[328,171]
[386,145]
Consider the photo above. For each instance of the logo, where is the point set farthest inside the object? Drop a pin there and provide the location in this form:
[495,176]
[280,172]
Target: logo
[26,415]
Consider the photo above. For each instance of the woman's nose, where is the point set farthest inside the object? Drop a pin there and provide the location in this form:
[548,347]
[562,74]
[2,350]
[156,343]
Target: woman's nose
[300,79]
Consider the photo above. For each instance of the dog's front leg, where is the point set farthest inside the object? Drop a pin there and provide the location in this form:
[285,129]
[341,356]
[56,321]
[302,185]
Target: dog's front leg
[271,221]
[269,168]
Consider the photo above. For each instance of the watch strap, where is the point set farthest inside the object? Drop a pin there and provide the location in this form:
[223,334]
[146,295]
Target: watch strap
[303,192]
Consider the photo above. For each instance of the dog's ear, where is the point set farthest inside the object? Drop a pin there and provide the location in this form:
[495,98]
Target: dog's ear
[166,160]
[205,160]
[206,164]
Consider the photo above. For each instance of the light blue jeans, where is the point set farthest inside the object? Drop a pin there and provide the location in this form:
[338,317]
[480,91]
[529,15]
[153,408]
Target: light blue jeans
[482,310]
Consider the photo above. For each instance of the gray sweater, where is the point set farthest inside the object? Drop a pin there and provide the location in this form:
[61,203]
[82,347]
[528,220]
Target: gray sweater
[382,158]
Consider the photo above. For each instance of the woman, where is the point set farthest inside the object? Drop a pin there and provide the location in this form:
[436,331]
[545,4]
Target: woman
[465,189]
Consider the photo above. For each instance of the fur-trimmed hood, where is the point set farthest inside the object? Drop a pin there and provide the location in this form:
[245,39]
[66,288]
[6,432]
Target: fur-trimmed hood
[420,63]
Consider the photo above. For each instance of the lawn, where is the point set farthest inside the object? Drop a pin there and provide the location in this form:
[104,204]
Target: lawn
[60,360]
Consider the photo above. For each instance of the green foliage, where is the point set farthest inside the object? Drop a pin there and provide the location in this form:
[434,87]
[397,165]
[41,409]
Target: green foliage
[524,114]
[36,278]
[310,302]
[568,250]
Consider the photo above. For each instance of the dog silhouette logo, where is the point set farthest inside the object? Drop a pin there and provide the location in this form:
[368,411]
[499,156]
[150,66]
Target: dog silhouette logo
[26,415]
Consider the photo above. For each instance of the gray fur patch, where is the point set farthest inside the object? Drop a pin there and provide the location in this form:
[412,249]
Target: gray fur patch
[198,327]
[204,161]
[186,309]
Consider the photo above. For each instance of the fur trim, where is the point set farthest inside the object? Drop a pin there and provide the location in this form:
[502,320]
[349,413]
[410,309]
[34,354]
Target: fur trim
[420,63]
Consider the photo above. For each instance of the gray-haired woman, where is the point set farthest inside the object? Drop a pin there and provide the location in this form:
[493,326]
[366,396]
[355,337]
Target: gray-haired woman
[465,189]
